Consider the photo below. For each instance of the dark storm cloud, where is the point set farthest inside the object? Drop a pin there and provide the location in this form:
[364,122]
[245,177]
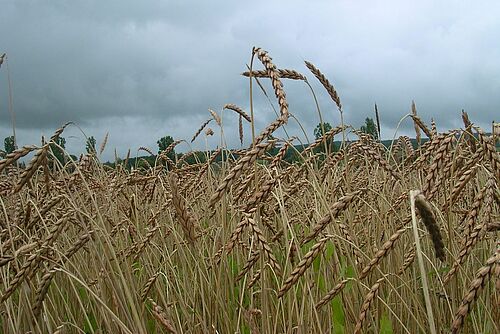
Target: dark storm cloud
[144,69]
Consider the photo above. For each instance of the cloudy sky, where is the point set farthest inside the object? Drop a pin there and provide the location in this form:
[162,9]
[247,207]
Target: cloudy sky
[144,69]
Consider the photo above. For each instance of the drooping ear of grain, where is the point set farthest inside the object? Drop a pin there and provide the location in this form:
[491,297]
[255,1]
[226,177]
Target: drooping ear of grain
[201,129]
[188,223]
[475,287]
[326,84]
[282,73]
[429,219]
[238,110]
[302,266]
[275,80]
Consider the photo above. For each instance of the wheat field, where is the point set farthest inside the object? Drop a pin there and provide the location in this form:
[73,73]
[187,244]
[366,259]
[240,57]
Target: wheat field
[364,238]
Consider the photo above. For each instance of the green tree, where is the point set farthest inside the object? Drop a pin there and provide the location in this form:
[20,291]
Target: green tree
[90,145]
[370,128]
[165,142]
[9,144]
[58,149]
[318,131]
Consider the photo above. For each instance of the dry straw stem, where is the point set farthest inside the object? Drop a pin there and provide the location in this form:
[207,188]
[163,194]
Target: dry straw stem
[185,218]
[238,110]
[428,218]
[324,81]
[475,287]
[282,73]
[302,266]
[331,294]
[273,74]
[335,210]
[243,163]
[370,296]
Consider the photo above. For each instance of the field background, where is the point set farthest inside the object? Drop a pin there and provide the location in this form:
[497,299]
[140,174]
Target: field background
[249,242]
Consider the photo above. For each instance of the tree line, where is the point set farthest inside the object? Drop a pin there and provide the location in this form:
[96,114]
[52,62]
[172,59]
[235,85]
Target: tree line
[58,147]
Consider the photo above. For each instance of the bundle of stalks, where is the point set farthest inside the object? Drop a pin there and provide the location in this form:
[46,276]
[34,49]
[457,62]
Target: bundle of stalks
[218,241]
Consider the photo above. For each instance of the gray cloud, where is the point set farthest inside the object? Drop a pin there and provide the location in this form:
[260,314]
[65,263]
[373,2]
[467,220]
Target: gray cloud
[143,69]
